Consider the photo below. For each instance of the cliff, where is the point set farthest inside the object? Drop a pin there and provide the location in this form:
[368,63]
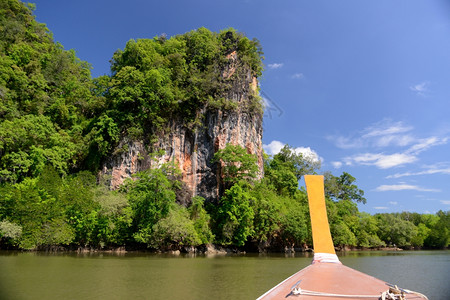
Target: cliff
[239,122]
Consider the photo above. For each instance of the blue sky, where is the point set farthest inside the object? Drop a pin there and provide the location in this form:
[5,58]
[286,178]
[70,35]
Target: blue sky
[364,86]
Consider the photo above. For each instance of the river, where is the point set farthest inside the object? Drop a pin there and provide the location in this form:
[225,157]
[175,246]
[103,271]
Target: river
[35,275]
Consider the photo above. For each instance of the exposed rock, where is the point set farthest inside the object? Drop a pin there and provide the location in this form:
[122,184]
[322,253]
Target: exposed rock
[189,249]
[193,149]
[289,249]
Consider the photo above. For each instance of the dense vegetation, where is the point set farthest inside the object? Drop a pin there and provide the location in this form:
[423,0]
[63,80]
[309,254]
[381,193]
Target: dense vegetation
[76,211]
[53,113]
[57,124]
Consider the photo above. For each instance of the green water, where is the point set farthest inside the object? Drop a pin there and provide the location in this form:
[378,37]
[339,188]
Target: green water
[159,276]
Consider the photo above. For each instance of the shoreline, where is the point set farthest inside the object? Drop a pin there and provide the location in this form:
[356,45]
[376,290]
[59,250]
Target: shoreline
[204,250]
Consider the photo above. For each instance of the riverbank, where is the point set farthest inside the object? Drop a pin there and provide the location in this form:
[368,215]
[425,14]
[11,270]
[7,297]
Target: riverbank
[204,249]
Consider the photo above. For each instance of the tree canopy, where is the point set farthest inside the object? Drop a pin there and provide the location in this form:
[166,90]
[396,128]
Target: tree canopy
[343,188]
[237,164]
[53,113]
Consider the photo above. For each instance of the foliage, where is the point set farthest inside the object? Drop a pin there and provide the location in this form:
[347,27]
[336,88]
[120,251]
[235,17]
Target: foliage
[294,224]
[114,216]
[53,113]
[439,236]
[343,219]
[28,144]
[10,232]
[234,223]
[201,220]
[286,168]
[367,234]
[283,180]
[237,164]
[45,98]
[291,159]
[342,188]
[175,230]
[395,231]
[37,212]
[342,235]
[156,80]
[422,233]
[267,217]
[52,210]
[151,196]
[56,211]
[279,219]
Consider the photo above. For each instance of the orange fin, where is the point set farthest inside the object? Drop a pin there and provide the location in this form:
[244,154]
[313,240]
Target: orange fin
[322,241]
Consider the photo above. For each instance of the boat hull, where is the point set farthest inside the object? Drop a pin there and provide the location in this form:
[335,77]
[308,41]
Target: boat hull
[330,278]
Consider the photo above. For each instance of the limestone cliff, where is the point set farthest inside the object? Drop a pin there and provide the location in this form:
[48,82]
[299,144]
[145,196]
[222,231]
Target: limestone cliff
[192,149]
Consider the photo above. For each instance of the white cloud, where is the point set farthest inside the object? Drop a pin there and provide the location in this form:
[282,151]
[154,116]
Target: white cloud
[386,134]
[380,207]
[382,134]
[336,164]
[395,140]
[425,144]
[430,171]
[445,202]
[309,154]
[381,160]
[402,187]
[275,65]
[274,147]
[386,127]
[345,142]
[420,88]
[298,76]
[393,202]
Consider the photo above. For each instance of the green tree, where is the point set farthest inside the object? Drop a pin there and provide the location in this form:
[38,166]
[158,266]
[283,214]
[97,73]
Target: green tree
[439,235]
[175,230]
[39,214]
[76,195]
[344,222]
[30,143]
[236,164]
[115,217]
[343,188]
[422,233]
[294,227]
[285,169]
[201,220]
[395,231]
[151,196]
[9,232]
[368,229]
[155,80]
[235,215]
[289,159]
[283,180]
[267,207]
[46,98]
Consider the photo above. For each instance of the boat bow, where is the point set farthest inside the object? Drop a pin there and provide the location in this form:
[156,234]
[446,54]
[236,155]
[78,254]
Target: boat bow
[326,277]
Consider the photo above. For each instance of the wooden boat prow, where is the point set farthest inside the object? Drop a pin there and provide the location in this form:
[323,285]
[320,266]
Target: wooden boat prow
[327,278]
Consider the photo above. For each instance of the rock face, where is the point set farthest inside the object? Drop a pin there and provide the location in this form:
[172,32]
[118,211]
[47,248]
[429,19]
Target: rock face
[193,149]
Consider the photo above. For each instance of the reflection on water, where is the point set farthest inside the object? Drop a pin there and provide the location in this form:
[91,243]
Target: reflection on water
[186,276]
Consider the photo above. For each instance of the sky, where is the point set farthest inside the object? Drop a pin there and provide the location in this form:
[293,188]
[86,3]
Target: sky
[362,86]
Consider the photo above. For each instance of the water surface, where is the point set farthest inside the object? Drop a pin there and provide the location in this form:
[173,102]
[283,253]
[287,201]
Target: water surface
[159,276]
